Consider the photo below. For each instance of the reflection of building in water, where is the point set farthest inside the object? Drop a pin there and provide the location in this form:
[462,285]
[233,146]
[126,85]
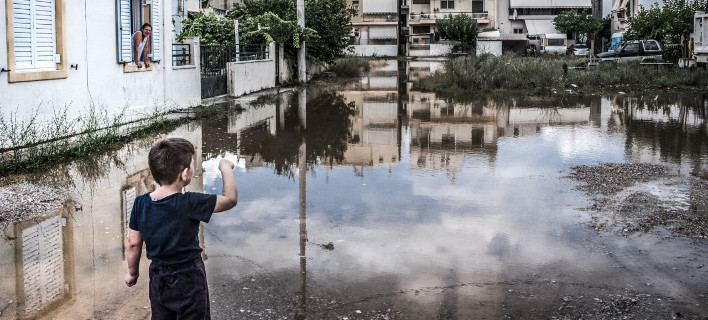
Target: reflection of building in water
[257,119]
[663,128]
[422,69]
[70,264]
[374,132]
[43,265]
[137,184]
[375,128]
[382,76]
[442,133]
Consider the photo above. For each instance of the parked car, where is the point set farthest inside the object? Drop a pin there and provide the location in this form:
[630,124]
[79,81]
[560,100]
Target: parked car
[636,50]
[578,49]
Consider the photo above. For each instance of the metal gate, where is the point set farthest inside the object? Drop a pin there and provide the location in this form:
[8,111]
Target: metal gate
[214,57]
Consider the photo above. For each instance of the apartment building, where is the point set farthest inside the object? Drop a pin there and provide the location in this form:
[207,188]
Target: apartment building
[505,25]
[375,27]
[534,19]
[422,15]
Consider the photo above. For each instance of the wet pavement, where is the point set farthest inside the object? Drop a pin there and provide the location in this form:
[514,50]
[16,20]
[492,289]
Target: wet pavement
[378,201]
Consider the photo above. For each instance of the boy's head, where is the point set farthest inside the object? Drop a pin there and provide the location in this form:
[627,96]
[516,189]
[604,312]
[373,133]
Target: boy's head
[168,158]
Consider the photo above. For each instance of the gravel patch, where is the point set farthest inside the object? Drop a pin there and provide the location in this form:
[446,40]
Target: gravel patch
[635,197]
[23,201]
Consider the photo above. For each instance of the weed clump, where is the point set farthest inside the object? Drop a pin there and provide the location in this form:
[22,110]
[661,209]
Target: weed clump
[545,74]
[350,67]
[29,145]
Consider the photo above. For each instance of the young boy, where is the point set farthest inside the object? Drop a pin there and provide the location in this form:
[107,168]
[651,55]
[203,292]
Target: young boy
[168,221]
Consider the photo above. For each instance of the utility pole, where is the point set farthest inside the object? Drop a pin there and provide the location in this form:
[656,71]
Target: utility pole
[301,61]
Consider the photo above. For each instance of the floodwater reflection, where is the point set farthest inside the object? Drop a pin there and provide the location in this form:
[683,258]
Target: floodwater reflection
[430,204]
[376,200]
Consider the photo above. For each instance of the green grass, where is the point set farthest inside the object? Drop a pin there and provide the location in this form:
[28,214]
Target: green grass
[545,74]
[29,145]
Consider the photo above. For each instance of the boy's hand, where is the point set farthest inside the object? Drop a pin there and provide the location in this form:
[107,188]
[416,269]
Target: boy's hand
[225,165]
[131,280]
[229,195]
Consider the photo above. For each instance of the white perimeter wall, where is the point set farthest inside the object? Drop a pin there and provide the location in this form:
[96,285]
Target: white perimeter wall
[436,49]
[250,76]
[376,50]
[440,49]
[491,47]
[90,39]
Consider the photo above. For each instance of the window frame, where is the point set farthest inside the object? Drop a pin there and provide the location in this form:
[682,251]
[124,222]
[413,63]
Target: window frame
[555,42]
[61,71]
[426,29]
[447,4]
[151,7]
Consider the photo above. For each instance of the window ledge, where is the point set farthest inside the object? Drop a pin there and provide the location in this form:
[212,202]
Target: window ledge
[130,68]
[36,75]
[190,66]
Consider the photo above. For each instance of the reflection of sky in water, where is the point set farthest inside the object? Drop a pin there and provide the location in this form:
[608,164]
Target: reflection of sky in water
[479,193]
[405,221]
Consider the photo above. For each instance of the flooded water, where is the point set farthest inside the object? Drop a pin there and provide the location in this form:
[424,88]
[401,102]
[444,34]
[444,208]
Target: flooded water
[375,200]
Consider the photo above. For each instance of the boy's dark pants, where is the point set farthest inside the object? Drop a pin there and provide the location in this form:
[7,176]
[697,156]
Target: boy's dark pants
[179,291]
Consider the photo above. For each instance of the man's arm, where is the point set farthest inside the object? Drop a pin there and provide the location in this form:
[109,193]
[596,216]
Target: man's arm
[133,253]
[146,49]
[136,43]
[229,194]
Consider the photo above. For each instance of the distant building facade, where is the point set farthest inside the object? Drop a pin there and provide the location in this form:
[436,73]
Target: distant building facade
[512,24]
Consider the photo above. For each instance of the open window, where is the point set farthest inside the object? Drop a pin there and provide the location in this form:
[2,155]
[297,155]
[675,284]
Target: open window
[35,38]
[131,15]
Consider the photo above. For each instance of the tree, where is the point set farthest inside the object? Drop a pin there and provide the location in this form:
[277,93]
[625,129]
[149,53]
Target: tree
[606,30]
[268,27]
[580,25]
[331,19]
[327,20]
[209,28]
[461,27]
[666,24]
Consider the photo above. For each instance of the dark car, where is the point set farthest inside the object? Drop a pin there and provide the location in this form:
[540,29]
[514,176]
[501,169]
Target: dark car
[636,50]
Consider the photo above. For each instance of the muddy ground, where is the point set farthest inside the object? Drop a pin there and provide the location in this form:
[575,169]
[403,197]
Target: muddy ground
[23,201]
[631,198]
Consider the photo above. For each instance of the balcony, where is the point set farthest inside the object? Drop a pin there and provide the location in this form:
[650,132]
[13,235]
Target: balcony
[436,16]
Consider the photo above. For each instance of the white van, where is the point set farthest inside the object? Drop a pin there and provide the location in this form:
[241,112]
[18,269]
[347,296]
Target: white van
[555,43]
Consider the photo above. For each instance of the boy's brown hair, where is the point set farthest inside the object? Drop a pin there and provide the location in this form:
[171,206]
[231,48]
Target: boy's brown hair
[168,157]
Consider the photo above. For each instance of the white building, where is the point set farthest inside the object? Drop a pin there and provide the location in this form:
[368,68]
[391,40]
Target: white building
[76,54]
[534,18]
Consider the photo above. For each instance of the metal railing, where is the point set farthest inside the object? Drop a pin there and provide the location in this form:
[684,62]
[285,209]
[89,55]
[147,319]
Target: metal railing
[214,57]
[436,16]
[417,46]
[181,55]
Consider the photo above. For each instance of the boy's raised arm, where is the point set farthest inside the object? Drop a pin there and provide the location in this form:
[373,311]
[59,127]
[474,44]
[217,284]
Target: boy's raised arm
[229,193]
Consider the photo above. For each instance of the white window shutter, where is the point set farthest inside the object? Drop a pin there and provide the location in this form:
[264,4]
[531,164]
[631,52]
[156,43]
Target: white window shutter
[34,33]
[44,34]
[22,25]
[156,22]
[124,37]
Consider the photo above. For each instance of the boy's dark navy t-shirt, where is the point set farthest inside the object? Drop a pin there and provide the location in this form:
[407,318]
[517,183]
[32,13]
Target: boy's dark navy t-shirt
[170,226]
